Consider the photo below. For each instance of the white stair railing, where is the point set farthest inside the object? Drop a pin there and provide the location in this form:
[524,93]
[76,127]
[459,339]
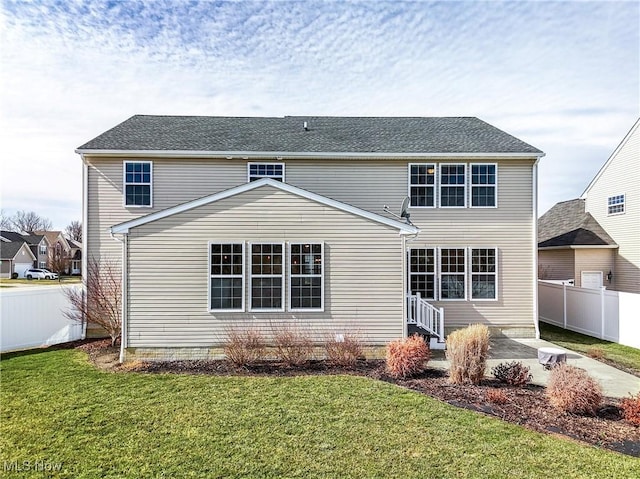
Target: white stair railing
[425,316]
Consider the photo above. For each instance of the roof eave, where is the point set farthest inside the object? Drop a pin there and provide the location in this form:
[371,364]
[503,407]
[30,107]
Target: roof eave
[585,246]
[299,154]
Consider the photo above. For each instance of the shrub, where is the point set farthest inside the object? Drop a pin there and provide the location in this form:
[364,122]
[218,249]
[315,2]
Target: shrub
[293,346]
[572,390]
[344,350]
[407,357]
[496,396]
[595,352]
[467,351]
[631,409]
[514,373]
[244,346]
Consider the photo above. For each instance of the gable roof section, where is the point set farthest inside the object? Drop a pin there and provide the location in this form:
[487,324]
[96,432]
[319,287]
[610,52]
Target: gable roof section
[567,224]
[8,251]
[632,131]
[402,227]
[287,135]
[53,237]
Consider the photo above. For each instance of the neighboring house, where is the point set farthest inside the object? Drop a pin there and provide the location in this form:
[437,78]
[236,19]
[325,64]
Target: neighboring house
[76,257]
[15,258]
[60,254]
[38,244]
[595,239]
[220,222]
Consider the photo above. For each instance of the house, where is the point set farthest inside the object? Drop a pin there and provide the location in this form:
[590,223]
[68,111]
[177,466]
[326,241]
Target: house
[15,257]
[38,244]
[60,251]
[595,239]
[220,222]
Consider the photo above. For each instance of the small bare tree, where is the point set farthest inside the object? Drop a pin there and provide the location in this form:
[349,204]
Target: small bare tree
[101,303]
[59,263]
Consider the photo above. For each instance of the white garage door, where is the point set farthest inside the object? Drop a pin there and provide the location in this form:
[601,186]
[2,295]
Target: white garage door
[20,268]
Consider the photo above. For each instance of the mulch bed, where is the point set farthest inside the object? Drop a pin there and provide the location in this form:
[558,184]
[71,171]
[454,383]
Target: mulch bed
[526,406]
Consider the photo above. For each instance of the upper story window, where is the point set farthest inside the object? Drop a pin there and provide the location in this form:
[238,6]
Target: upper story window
[483,186]
[453,186]
[274,171]
[43,249]
[422,185]
[615,205]
[137,183]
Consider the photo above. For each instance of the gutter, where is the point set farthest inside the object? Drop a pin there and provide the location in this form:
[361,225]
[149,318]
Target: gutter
[534,239]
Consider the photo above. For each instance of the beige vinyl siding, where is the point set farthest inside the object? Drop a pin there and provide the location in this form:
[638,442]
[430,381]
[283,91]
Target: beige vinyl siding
[556,264]
[621,175]
[168,270]
[593,260]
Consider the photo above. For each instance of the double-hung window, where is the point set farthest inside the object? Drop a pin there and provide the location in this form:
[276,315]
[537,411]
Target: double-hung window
[137,183]
[306,280]
[453,190]
[483,273]
[615,205]
[43,249]
[452,273]
[274,171]
[226,268]
[422,185]
[483,186]
[267,276]
[422,272]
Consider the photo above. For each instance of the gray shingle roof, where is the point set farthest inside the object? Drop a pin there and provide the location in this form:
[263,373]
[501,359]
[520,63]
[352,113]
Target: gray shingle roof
[324,134]
[568,224]
[9,250]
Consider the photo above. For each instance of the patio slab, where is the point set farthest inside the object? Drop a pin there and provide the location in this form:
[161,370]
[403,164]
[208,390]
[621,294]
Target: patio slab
[615,383]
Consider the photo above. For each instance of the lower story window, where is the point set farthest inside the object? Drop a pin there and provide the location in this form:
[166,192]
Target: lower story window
[305,285]
[267,275]
[422,273]
[483,273]
[226,267]
[452,273]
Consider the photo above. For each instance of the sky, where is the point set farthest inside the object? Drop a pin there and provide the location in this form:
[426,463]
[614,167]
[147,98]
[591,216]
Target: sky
[562,76]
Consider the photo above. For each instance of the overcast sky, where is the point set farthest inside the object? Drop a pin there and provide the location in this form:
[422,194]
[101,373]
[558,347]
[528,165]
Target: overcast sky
[563,76]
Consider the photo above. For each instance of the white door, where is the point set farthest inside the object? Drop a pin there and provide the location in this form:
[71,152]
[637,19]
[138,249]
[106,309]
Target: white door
[20,268]
[591,279]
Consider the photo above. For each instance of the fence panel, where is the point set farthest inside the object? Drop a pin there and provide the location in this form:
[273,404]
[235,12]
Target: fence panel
[584,310]
[551,304]
[34,316]
[629,319]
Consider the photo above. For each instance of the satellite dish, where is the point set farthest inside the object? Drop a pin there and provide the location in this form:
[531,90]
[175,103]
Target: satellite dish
[404,211]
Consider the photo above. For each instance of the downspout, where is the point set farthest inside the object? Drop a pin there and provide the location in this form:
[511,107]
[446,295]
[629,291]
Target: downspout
[405,328]
[535,247]
[85,219]
[125,266]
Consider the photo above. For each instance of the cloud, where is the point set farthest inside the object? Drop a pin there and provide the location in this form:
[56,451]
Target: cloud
[562,76]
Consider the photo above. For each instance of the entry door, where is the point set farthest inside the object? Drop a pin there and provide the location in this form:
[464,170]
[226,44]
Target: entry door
[591,279]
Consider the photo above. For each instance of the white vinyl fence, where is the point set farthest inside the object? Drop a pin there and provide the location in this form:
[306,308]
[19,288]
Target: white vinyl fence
[610,315]
[33,316]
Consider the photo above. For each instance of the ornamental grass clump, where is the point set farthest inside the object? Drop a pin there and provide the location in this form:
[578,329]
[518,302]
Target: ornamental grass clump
[467,352]
[572,390]
[514,373]
[407,357]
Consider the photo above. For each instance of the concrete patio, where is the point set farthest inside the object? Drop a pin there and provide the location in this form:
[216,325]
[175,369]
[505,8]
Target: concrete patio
[615,383]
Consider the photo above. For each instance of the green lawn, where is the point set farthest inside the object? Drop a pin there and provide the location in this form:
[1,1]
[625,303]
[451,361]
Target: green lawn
[58,409]
[624,355]
[9,283]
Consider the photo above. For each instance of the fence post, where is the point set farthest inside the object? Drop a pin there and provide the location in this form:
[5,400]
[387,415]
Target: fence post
[564,306]
[602,288]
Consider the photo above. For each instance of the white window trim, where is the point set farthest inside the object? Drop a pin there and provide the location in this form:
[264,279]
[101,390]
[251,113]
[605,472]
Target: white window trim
[42,264]
[435,185]
[464,185]
[124,184]
[209,276]
[306,310]
[280,163]
[471,185]
[471,273]
[436,254]
[42,249]
[440,274]
[251,276]
[624,204]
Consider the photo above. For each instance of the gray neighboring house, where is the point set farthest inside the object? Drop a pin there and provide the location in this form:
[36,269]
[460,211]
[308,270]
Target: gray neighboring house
[572,246]
[15,257]
[220,222]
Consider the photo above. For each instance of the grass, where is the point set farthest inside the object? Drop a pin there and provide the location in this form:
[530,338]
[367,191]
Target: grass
[59,410]
[618,354]
[10,283]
